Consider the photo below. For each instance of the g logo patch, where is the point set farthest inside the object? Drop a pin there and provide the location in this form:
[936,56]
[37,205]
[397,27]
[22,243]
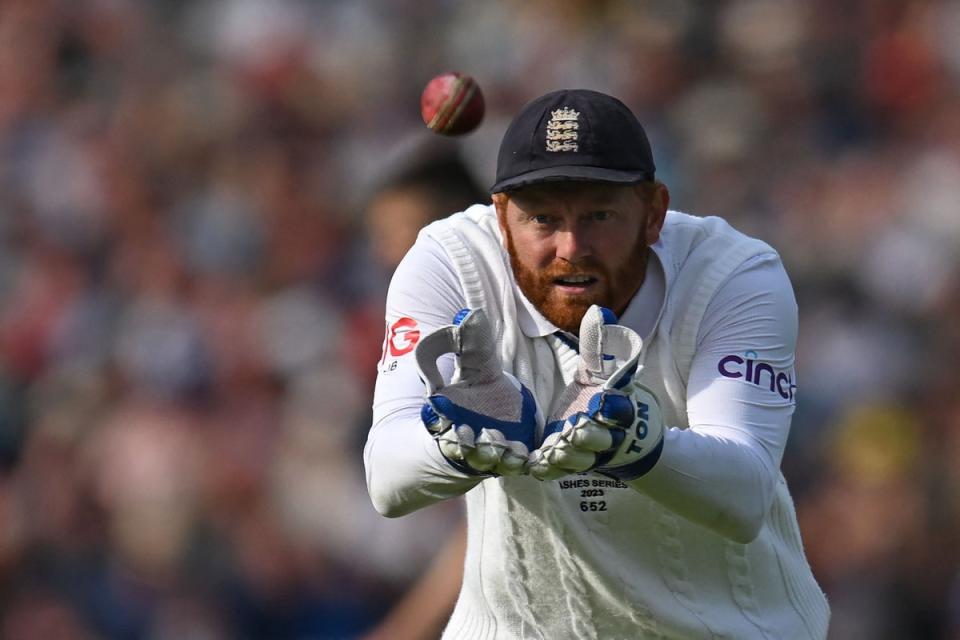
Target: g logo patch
[402,336]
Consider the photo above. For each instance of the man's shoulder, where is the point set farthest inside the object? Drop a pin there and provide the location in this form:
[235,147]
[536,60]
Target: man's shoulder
[471,243]
[468,236]
[478,215]
[680,222]
[684,233]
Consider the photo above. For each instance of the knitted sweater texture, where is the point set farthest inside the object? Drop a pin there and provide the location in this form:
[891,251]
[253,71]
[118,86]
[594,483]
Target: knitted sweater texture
[587,557]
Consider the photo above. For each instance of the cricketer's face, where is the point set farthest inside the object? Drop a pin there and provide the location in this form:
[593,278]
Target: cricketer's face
[576,244]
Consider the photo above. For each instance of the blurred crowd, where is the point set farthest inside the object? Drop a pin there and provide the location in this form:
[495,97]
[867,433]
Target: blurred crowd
[201,203]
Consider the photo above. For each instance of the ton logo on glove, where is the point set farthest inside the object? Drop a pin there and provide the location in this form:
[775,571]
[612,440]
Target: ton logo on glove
[643,414]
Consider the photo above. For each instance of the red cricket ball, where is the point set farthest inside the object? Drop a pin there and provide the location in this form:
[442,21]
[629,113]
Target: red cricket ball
[452,104]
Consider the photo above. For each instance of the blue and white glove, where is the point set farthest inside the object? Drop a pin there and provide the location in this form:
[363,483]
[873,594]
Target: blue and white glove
[604,420]
[485,421]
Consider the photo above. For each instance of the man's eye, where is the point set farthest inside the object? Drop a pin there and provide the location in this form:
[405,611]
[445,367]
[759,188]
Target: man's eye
[541,219]
[599,216]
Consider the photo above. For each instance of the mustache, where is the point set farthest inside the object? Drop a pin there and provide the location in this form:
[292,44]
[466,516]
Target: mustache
[588,267]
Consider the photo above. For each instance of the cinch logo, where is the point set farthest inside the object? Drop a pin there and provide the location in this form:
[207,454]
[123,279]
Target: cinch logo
[753,372]
[402,336]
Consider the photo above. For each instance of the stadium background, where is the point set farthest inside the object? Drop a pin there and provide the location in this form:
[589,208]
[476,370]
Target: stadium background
[191,291]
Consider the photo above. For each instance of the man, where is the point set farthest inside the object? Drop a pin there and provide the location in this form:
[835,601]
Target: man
[433,181]
[621,476]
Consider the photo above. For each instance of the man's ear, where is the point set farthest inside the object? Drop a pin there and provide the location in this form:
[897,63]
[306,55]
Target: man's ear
[657,212]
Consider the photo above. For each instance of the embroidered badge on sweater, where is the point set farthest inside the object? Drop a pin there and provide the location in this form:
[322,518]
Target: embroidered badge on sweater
[562,130]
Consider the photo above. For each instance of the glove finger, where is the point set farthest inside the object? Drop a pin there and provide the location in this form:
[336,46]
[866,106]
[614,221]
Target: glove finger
[571,458]
[483,457]
[612,408]
[455,443]
[450,446]
[514,459]
[624,344]
[590,436]
[465,436]
[592,339]
[517,449]
[544,471]
[511,463]
[477,355]
[539,466]
[511,455]
[537,463]
[549,442]
[429,349]
[492,437]
[433,421]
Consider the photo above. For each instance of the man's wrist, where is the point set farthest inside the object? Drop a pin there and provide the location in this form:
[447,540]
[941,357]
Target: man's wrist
[636,469]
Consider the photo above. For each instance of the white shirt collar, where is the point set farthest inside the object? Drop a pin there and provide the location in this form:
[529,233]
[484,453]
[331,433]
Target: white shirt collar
[644,309]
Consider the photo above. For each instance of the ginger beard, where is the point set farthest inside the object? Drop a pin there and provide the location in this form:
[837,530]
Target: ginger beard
[614,287]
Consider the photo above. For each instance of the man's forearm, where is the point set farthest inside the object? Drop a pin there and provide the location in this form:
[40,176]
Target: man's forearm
[722,484]
[405,470]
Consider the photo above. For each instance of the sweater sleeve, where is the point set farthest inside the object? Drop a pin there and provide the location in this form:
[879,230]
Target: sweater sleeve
[404,468]
[722,471]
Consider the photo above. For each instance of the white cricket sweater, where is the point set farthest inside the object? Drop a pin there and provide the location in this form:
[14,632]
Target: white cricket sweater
[707,544]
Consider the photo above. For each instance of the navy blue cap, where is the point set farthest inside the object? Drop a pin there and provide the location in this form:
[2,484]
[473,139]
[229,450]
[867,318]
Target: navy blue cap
[574,134]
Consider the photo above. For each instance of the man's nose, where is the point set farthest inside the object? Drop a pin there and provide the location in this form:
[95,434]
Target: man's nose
[571,245]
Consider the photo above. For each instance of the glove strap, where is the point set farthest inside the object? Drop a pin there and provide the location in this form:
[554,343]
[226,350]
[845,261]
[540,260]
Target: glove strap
[636,469]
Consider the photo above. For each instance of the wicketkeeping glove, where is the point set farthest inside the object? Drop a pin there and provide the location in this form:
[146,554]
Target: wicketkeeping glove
[605,421]
[485,421]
